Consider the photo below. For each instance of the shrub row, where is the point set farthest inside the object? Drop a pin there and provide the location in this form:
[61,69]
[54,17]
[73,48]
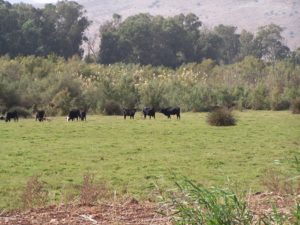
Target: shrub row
[56,85]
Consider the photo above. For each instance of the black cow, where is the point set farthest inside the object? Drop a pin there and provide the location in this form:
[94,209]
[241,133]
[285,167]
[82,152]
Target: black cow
[11,115]
[40,115]
[129,112]
[83,115]
[147,111]
[73,114]
[171,111]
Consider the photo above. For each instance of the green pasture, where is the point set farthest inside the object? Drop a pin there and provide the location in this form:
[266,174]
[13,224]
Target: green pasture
[134,155]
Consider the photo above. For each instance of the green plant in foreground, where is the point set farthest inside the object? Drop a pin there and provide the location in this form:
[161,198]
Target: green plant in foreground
[296,214]
[193,204]
[198,205]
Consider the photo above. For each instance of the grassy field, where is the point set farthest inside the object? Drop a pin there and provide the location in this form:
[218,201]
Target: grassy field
[132,155]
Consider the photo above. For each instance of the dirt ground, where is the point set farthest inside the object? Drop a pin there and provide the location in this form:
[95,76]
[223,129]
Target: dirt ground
[262,203]
[130,212]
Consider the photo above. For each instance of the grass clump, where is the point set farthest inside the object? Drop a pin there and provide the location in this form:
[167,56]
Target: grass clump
[91,191]
[295,106]
[34,193]
[194,204]
[221,117]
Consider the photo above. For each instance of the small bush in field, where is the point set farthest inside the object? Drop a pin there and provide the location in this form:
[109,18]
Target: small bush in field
[112,108]
[221,117]
[34,193]
[280,105]
[296,106]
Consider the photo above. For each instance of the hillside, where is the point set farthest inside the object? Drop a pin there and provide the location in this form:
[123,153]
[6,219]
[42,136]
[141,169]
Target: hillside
[245,14]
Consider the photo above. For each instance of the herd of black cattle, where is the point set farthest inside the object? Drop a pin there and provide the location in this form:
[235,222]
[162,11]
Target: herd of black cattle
[77,114]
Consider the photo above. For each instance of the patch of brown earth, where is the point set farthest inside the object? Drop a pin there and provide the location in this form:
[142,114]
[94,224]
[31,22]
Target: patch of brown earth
[129,212]
[262,203]
[133,212]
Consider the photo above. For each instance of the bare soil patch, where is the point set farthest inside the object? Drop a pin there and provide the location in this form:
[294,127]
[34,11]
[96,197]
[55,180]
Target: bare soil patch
[128,212]
[132,212]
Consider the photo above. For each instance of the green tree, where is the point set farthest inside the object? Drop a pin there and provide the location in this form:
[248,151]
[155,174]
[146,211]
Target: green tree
[269,41]
[145,39]
[248,45]
[58,29]
[230,44]
[70,24]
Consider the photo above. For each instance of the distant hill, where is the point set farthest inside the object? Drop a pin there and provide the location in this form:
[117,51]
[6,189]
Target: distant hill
[245,14]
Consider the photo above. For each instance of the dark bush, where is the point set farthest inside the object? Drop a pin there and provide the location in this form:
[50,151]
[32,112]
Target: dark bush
[22,112]
[280,105]
[111,107]
[295,106]
[221,117]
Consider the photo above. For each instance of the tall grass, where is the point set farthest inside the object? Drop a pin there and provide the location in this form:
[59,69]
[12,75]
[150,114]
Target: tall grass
[193,204]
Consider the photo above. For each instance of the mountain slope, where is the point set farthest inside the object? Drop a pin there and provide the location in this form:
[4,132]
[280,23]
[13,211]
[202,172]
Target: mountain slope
[245,14]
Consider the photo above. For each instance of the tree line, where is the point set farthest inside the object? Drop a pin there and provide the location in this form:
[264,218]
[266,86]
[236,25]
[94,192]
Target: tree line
[173,41]
[55,29]
[141,39]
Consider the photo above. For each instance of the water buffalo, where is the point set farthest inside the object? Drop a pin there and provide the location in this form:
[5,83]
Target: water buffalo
[73,114]
[129,112]
[171,111]
[148,111]
[11,115]
[83,115]
[40,115]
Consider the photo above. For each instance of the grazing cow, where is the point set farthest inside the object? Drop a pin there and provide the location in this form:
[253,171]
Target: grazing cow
[171,111]
[147,111]
[83,115]
[2,117]
[40,115]
[11,115]
[129,112]
[73,114]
